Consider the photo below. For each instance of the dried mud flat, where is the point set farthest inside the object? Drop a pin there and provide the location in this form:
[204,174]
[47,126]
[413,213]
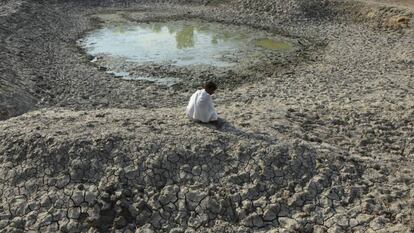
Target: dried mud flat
[320,143]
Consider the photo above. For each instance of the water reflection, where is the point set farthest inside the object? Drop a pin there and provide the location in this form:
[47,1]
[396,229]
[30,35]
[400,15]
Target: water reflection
[156,28]
[185,38]
[178,42]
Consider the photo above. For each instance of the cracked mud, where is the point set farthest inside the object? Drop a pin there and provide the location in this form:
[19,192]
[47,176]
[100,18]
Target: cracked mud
[321,140]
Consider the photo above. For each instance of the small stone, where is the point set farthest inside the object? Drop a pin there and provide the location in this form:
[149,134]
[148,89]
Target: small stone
[289,224]
[211,205]
[319,229]
[253,220]
[336,229]
[74,213]
[90,197]
[54,227]
[378,223]
[269,215]
[19,206]
[193,199]
[45,202]
[131,172]
[147,228]
[44,219]
[77,198]
[169,194]
[341,220]
[196,170]
[364,218]
[353,222]
[72,226]
[120,222]
[4,223]
[18,223]
[198,221]
[177,230]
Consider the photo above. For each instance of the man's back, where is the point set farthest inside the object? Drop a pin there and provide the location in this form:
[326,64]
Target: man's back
[200,107]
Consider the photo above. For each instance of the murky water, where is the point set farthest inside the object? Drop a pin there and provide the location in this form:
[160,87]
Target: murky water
[128,49]
[179,42]
[273,44]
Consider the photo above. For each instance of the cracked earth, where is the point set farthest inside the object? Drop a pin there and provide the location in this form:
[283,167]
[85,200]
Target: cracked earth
[323,142]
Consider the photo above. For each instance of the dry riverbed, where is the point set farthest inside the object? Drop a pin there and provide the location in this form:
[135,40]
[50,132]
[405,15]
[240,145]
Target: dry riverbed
[319,140]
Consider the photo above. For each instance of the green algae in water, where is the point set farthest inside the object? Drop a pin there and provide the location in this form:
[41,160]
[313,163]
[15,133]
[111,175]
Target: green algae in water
[273,44]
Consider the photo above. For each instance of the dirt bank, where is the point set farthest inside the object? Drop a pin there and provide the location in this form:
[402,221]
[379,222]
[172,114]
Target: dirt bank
[319,143]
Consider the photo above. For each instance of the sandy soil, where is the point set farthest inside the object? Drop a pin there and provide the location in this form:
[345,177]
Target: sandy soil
[408,3]
[323,142]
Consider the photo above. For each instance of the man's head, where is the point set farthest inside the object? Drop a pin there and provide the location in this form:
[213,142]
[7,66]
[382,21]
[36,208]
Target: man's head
[210,87]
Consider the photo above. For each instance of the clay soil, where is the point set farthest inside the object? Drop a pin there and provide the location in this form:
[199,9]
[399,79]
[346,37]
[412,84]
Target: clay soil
[319,141]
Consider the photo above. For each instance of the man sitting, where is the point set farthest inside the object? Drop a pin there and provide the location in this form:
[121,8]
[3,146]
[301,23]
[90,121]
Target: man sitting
[200,106]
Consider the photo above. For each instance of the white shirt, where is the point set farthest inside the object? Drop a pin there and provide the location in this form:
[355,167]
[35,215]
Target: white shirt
[200,107]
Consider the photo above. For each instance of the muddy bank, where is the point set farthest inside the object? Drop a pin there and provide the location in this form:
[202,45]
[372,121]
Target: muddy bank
[192,50]
[59,58]
[138,176]
[320,143]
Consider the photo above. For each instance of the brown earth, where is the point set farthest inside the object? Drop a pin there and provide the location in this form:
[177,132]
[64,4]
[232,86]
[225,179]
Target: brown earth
[408,3]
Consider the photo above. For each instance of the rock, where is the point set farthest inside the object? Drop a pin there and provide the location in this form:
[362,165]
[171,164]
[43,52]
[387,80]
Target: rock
[103,68]
[397,22]
[177,230]
[288,223]
[364,218]
[77,198]
[297,200]
[18,223]
[45,201]
[19,205]
[378,223]
[43,219]
[353,222]
[4,223]
[90,197]
[156,220]
[193,199]
[54,227]
[253,220]
[131,172]
[72,226]
[198,220]
[169,194]
[210,204]
[341,220]
[120,222]
[74,212]
[196,171]
[145,229]
[271,212]
[269,215]
[336,229]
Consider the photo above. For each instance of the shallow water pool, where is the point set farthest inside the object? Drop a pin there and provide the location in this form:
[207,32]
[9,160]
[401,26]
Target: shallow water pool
[181,43]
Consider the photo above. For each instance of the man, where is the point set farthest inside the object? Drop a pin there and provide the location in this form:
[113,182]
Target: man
[200,106]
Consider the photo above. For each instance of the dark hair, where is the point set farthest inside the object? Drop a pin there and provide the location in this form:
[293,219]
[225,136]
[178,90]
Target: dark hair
[210,86]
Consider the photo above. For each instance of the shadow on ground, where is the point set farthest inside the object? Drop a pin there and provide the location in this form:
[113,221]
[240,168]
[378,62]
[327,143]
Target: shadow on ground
[222,125]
